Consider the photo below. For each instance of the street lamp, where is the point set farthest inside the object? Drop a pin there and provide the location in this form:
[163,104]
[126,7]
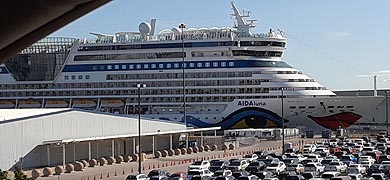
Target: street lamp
[387,115]
[182,26]
[282,89]
[139,86]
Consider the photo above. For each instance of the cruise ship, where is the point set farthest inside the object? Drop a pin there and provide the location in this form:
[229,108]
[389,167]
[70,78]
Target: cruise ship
[228,77]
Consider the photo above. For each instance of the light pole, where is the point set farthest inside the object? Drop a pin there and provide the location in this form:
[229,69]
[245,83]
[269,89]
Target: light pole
[387,115]
[282,89]
[139,86]
[182,26]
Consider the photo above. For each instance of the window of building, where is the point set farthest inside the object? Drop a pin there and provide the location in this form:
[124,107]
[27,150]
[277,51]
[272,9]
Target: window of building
[176,65]
[94,68]
[231,64]
[66,77]
[207,64]
[116,66]
[146,66]
[138,66]
[80,76]
[131,66]
[192,65]
[124,66]
[200,64]
[215,64]
[153,66]
[160,66]
[169,65]
[223,64]
[109,67]
[73,77]
[87,76]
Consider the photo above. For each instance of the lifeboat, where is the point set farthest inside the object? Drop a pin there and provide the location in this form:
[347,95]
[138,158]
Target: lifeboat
[30,103]
[84,103]
[55,103]
[112,103]
[6,104]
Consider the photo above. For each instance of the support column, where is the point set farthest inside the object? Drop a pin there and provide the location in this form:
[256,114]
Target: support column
[153,145]
[48,154]
[201,138]
[187,136]
[97,150]
[170,141]
[74,151]
[89,150]
[134,145]
[215,136]
[113,148]
[63,155]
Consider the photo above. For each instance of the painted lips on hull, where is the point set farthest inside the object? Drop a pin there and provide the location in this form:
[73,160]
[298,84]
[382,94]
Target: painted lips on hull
[343,120]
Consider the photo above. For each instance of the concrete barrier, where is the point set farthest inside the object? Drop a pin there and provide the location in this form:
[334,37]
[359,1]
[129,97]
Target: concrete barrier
[189,150]
[58,170]
[103,161]
[164,153]
[183,151]
[69,168]
[195,149]
[177,152]
[207,148]
[35,173]
[157,154]
[78,166]
[214,147]
[143,157]
[126,158]
[201,148]
[171,152]
[93,163]
[110,160]
[47,172]
[119,159]
[231,147]
[134,157]
[224,147]
[85,163]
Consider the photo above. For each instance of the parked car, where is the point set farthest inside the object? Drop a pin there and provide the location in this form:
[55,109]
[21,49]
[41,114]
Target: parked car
[356,176]
[356,169]
[199,165]
[276,167]
[330,174]
[298,168]
[238,165]
[251,157]
[315,167]
[219,165]
[158,172]
[336,166]
[178,176]
[137,177]
[203,173]
[255,166]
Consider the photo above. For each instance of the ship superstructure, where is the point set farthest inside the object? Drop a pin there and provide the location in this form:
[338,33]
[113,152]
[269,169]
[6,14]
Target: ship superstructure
[233,78]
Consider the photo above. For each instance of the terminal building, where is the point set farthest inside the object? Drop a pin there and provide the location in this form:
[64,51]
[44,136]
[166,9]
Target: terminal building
[48,137]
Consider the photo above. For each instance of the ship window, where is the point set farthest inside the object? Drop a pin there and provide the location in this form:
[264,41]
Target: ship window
[138,66]
[109,67]
[330,106]
[292,107]
[160,66]
[131,66]
[94,67]
[73,77]
[340,106]
[215,64]
[124,66]
[101,67]
[66,77]
[311,107]
[169,65]
[153,66]
[301,107]
[207,64]
[176,65]
[231,64]
[199,64]
[223,64]
[80,76]
[86,76]
[349,106]
[192,65]
[146,66]
[116,66]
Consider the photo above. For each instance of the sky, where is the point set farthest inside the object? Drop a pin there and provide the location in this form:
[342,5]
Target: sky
[332,41]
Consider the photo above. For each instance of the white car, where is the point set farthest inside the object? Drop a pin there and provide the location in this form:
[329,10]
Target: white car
[198,165]
[314,167]
[309,148]
[202,173]
[336,166]
[251,157]
[321,150]
[315,157]
[276,167]
[366,164]
[330,174]
[137,177]
[238,165]
[367,158]
[356,169]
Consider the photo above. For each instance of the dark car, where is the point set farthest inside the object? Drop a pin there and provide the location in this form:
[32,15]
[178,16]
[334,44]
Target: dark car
[219,165]
[162,177]
[294,177]
[237,174]
[263,174]
[178,176]
[255,166]
[289,161]
[375,168]
[308,175]
[265,161]
[285,174]
[158,172]
[383,157]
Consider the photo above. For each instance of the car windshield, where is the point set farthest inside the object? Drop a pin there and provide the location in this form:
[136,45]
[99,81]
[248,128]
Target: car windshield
[153,173]
[193,173]
[219,163]
[235,163]
[327,175]
[197,163]
[254,164]
[248,156]
[273,165]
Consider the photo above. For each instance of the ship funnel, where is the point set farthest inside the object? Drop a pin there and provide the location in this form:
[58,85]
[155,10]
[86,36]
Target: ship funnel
[153,26]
